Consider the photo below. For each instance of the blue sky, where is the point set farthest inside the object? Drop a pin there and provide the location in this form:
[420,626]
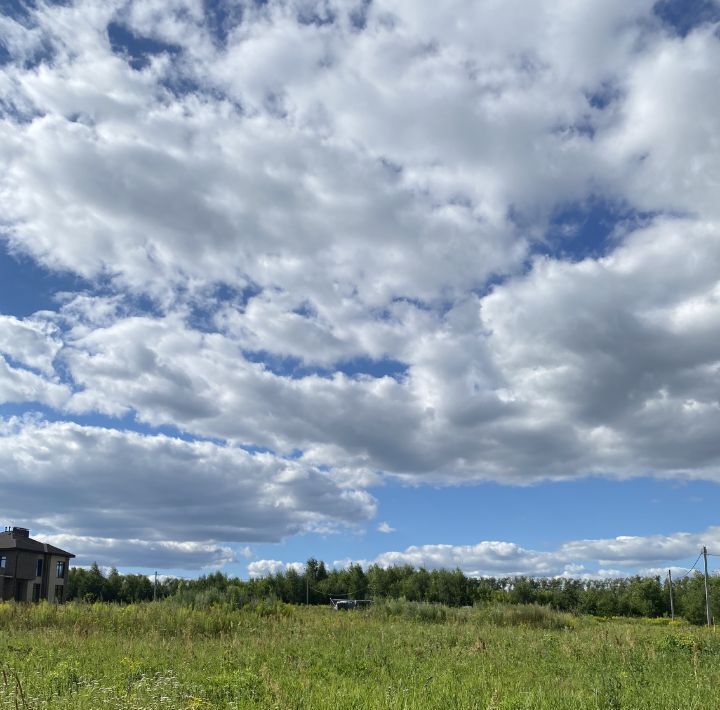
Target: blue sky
[353,280]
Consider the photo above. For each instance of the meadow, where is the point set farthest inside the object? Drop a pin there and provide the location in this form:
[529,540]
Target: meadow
[396,655]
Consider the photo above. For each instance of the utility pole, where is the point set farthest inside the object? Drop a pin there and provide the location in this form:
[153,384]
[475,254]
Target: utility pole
[707,594]
[672,605]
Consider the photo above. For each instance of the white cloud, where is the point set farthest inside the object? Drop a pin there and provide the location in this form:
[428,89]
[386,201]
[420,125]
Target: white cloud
[376,204]
[615,354]
[27,350]
[32,342]
[164,554]
[599,366]
[328,193]
[484,558]
[264,568]
[587,559]
[385,527]
[20,385]
[677,572]
[669,127]
[574,368]
[204,180]
[177,497]
[638,550]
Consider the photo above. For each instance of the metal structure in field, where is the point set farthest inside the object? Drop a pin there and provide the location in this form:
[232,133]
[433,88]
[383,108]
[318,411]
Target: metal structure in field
[348,604]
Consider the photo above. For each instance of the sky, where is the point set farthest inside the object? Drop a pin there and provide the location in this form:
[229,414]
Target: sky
[370,281]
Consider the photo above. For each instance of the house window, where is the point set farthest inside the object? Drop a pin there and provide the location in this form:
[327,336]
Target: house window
[36,593]
[39,568]
[59,593]
[3,562]
[60,569]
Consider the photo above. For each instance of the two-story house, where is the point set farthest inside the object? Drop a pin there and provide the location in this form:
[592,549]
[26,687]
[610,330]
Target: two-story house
[31,570]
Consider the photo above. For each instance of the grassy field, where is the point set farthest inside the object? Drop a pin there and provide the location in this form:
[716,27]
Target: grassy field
[394,656]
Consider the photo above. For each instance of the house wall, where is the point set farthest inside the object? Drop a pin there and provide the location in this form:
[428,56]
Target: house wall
[10,587]
[11,555]
[53,579]
[26,564]
[19,574]
[7,576]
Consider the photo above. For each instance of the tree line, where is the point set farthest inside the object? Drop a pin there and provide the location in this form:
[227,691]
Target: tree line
[631,596]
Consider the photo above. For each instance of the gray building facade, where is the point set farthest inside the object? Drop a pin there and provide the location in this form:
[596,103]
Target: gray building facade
[31,570]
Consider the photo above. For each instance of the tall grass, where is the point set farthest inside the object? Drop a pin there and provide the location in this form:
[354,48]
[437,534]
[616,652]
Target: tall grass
[394,655]
[495,614]
[414,611]
[147,617]
[531,616]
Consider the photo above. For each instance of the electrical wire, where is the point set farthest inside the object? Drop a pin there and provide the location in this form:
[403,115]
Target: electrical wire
[331,595]
[685,574]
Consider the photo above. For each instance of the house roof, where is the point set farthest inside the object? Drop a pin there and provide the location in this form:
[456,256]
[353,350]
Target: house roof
[10,542]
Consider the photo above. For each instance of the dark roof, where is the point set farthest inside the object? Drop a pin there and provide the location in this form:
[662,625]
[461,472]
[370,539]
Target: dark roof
[10,542]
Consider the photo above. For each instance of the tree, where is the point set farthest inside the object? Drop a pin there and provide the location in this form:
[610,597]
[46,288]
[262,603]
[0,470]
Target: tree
[113,586]
[94,587]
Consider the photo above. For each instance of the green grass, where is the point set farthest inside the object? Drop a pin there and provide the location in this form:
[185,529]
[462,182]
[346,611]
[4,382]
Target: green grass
[396,655]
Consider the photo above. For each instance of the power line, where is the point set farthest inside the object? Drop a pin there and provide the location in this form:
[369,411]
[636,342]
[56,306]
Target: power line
[685,574]
[331,594]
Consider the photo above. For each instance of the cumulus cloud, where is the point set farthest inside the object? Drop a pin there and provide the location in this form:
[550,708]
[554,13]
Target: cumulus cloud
[493,558]
[639,550]
[18,384]
[322,118]
[589,559]
[484,558]
[574,368]
[164,554]
[139,160]
[598,366]
[178,497]
[264,568]
[385,527]
[675,154]
[326,229]
[27,350]
[31,342]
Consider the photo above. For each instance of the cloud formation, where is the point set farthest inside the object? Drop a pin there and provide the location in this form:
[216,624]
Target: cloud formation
[352,235]
[611,557]
[165,554]
[112,487]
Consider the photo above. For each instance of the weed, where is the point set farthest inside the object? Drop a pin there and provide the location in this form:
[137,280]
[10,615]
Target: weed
[396,655]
